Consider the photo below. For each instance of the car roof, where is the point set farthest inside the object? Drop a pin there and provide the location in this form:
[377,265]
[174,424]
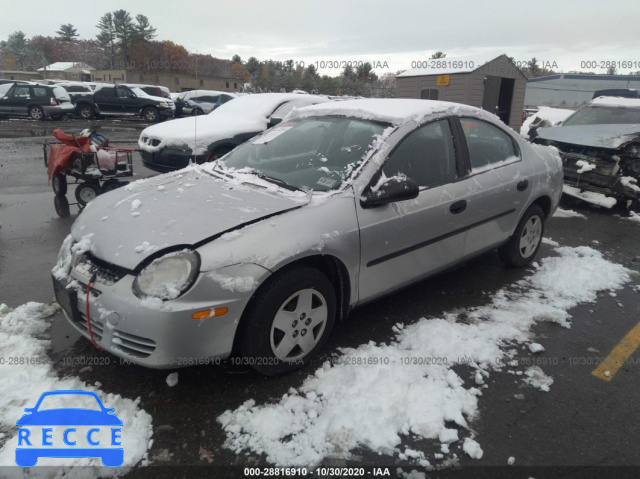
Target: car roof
[391,110]
[616,101]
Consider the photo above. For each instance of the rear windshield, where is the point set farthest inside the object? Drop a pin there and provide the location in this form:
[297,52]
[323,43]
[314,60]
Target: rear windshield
[604,115]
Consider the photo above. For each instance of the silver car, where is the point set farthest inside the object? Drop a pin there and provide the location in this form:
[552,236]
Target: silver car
[262,251]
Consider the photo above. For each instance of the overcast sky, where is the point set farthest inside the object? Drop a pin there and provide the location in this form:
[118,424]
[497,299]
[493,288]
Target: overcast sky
[396,32]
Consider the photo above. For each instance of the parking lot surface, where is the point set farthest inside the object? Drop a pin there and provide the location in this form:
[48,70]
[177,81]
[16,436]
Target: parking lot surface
[584,420]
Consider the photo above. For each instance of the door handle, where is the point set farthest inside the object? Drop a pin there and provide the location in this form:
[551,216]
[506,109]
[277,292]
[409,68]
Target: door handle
[522,185]
[458,207]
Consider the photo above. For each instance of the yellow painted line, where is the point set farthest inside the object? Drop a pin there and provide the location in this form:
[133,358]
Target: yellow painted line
[618,355]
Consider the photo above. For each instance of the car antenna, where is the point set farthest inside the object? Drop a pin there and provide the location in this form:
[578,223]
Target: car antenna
[195,118]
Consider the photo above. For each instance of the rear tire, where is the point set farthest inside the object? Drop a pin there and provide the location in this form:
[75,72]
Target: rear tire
[37,113]
[86,192]
[59,184]
[85,112]
[523,246]
[288,322]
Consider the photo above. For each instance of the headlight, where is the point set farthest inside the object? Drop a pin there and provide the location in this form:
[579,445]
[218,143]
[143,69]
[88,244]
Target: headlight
[168,276]
[163,104]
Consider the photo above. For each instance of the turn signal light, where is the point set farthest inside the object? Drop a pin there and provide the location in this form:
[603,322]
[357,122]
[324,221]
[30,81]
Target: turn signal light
[210,313]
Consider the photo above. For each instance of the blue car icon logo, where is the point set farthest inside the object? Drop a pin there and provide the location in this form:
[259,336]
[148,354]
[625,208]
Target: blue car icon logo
[69,432]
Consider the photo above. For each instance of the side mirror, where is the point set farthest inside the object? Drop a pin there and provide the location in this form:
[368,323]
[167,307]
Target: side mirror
[392,190]
[132,95]
[274,121]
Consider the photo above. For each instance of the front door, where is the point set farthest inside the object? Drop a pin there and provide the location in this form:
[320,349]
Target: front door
[404,241]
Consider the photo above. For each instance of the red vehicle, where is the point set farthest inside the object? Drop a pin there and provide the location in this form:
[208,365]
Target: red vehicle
[95,166]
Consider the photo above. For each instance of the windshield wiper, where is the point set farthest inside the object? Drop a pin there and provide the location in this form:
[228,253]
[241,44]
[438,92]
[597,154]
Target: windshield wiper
[277,181]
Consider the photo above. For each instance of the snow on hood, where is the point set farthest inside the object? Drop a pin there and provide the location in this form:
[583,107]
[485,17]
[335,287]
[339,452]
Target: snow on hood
[598,136]
[396,111]
[180,208]
[246,114]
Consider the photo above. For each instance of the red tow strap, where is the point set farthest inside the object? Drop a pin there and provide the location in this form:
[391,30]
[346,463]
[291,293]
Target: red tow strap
[93,341]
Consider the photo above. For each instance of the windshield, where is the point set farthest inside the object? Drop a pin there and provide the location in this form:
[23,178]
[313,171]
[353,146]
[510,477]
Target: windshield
[314,153]
[604,115]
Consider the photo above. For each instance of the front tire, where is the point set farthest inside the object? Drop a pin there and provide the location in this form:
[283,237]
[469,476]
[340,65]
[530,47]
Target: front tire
[86,192]
[59,184]
[36,113]
[523,246]
[289,321]
[151,115]
[61,204]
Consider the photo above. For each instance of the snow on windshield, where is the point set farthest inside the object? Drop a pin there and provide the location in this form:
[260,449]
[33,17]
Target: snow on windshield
[315,153]
[377,395]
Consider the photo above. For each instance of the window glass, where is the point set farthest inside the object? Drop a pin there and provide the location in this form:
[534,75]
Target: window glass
[5,88]
[425,155]
[39,91]
[106,92]
[604,115]
[316,153]
[21,91]
[488,145]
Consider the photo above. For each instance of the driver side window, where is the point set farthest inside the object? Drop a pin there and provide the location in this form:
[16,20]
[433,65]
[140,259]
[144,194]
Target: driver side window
[426,156]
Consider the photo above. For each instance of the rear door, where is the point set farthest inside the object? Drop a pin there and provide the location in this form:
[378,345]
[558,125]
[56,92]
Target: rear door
[404,241]
[107,101]
[498,184]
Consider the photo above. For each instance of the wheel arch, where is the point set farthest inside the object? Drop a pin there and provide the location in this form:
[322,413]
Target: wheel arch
[329,265]
[543,202]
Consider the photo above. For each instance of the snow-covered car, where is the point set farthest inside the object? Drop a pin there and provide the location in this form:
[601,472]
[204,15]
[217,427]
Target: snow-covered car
[35,100]
[600,149]
[201,102]
[543,117]
[174,145]
[263,250]
[206,103]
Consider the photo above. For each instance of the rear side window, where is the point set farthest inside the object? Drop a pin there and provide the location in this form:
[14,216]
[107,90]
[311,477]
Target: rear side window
[106,92]
[489,146]
[39,92]
[5,88]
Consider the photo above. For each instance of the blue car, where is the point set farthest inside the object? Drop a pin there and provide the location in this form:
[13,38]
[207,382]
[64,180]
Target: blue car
[105,417]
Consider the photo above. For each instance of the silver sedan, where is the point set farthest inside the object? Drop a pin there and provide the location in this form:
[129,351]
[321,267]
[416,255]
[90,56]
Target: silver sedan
[259,253]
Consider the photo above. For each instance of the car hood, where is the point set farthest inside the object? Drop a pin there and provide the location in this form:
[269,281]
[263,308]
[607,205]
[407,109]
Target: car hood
[186,207]
[598,136]
[198,132]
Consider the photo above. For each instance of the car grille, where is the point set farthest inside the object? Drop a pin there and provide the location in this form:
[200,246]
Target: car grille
[106,273]
[136,346]
[150,141]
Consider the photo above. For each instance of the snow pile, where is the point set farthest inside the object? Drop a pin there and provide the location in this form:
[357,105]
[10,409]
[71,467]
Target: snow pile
[22,385]
[590,196]
[374,395]
[560,213]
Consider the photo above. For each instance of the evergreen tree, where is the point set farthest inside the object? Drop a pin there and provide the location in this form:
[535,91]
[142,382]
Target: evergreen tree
[125,32]
[143,29]
[107,37]
[437,55]
[68,33]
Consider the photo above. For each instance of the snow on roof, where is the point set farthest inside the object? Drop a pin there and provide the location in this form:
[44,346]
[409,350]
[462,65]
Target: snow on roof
[246,114]
[389,110]
[616,101]
[446,65]
[63,66]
